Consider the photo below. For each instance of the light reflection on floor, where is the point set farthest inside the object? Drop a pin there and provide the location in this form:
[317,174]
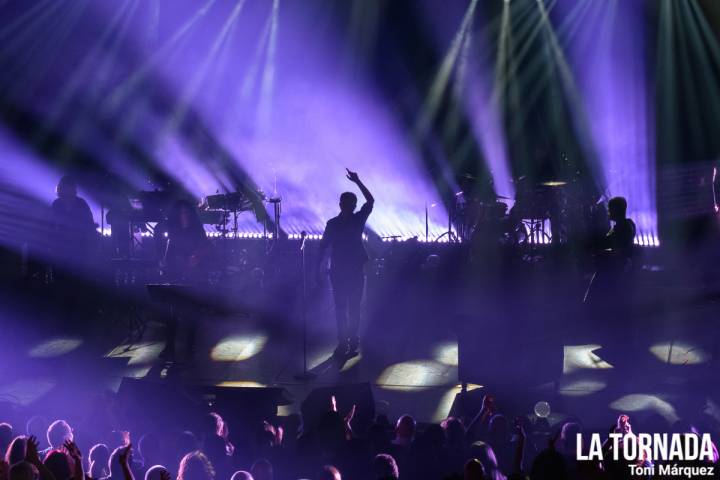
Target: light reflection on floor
[238,348]
[143,353]
[583,387]
[54,347]
[679,353]
[447,353]
[577,357]
[416,374]
[638,402]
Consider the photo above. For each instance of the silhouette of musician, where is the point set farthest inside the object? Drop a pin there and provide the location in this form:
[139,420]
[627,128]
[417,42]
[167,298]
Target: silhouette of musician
[72,222]
[186,263]
[343,236]
[620,239]
[188,248]
[615,262]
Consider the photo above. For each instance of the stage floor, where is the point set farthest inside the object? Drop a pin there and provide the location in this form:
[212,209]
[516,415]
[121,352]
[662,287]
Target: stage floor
[658,367]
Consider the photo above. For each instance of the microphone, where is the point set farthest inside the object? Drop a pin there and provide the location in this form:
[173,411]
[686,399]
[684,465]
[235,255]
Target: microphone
[303,237]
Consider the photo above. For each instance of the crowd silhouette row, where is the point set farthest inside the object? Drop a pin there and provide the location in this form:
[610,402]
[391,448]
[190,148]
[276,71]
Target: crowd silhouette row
[486,446]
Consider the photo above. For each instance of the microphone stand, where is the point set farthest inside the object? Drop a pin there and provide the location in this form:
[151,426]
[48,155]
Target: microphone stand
[305,375]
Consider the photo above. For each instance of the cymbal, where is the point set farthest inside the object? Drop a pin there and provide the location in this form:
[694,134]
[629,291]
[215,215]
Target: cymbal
[554,183]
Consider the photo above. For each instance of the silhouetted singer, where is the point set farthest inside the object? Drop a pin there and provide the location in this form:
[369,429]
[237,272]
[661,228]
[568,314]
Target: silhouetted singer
[343,235]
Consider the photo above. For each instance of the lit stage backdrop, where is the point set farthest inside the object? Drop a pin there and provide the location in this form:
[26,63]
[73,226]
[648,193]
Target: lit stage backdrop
[275,95]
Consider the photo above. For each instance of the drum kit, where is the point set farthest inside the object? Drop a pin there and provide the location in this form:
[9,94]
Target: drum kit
[539,213]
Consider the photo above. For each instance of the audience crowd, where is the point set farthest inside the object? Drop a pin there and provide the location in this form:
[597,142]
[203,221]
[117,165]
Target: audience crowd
[486,446]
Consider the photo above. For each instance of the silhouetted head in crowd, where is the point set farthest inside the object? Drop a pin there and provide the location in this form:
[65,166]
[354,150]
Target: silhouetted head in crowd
[23,471]
[329,472]
[499,427]
[378,438]
[241,475]
[98,459]
[16,450]
[405,430]
[617,209]
[66,187]
[58,433]
[6,436]
[454,432]
[473,470]
[486,455]
[262,469]
[184,443]
[59,465]
[149,449]
[114,466]
[155,472]
[549,465]
[37,427]
[385,467]
[195,466]
[569,438]
[433,438]
[331,431]
[348,203]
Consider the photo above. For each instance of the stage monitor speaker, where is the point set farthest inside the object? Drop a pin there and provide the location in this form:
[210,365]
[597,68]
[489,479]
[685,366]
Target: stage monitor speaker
[359,394]
[147,405]
[244,407]
[497,357]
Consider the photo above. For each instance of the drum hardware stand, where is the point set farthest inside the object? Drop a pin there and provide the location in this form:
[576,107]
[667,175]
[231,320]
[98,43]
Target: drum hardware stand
[306,375]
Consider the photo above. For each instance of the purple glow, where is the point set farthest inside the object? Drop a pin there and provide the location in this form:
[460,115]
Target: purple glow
[475,85]
[608,57]
[290,114]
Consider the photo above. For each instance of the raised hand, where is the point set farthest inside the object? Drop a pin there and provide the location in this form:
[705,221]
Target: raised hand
[352,176]
[31,450]
[350,415]
[72,450]
[125,454]
[488,404]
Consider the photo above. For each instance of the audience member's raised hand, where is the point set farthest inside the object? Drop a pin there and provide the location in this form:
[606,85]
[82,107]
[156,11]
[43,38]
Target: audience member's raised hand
[31,450]
[125,454]
[125,457]
[519,428]
[488,404]
[72,450]
[276,431]
[74,453]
